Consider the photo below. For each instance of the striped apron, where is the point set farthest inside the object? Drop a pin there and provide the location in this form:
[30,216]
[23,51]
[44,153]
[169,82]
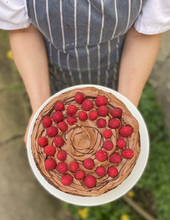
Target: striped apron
[84,38]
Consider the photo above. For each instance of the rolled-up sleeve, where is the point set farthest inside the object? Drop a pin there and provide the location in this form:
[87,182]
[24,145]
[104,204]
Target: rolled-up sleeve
[154,18]
[13,14]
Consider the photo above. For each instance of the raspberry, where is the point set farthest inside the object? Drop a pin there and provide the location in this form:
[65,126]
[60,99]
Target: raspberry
[101,123]
[108,145]
[71,110]
[82,116]
[62,126]
[107,133]
[121,143]
[112,171]
[101,100]
[61,155]
[103,110]
[46,122]
[79,174]
[115,158]
[93,115]
[125,131]
[42,141]
[57,116]
[101,155]
[61,167]
[117,113]
[71,120]
[73,166]
[50,164]
[49,150]
[66,179]
[52,131]
[58,141]
[101,171]
[79,97]
[88,164]
[89,181]
[87,105]
[127,153]
[114,123]
[59,106]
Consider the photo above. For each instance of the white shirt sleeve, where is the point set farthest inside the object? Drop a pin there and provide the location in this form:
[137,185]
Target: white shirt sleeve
[13,14]
[154,18]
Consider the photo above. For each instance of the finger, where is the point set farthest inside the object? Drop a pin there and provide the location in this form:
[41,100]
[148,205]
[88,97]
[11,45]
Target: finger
[26,135]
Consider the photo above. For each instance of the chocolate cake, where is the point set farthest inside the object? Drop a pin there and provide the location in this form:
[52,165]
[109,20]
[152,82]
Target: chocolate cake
[85,142]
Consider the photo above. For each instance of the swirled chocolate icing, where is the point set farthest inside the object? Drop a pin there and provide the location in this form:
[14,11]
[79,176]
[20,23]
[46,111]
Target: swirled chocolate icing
[82,140]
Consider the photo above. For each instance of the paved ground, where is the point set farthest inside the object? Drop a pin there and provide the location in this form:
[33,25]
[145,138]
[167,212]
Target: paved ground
[21,196]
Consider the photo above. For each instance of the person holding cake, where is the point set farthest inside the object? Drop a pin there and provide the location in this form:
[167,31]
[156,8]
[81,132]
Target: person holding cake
[59,44]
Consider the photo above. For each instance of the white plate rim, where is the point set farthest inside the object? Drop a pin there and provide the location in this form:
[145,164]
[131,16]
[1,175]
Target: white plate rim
[117,192]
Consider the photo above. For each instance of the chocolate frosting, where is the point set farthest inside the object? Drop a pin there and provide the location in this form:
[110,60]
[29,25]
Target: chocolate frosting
[82,140]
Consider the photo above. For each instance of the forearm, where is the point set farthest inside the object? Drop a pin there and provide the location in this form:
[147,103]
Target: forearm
[138,57]
[30,57]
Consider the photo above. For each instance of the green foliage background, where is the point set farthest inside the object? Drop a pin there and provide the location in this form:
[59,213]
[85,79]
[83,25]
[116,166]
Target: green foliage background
[156,178]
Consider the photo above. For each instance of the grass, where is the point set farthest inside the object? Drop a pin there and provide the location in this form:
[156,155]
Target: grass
[156,177]
[14,88]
